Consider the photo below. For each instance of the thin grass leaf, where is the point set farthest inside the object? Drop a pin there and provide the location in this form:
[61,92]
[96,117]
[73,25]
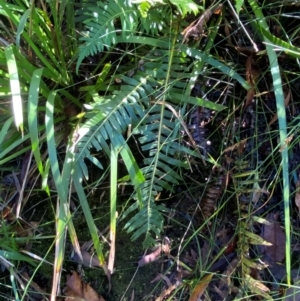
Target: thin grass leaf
[4,130]
[280,44]
[15,87]
[89,218]
[88,215]
[198,102]
[62,184]
[278,91]
[113,206]
[32,117]
[13,255]
[21,26]
[12,279]
[61,214]
[45,176]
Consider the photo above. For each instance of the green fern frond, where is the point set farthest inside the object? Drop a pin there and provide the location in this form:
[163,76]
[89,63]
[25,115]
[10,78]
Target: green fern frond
[186,6]
[100,23]
[154,23]
[148,220]
[139,102]
[238,5]
[109,119]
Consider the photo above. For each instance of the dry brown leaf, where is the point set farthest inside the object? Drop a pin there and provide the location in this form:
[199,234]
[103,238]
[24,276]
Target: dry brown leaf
[88,260]
[226,281]
[71,295]
[195,29]
[274,234]
[164,247]
[39,292]
[200,288]
[167,291]
[239,145]
[220,293]
[161,276]
[297,197]
[76,288]
[252,75]
[150,257]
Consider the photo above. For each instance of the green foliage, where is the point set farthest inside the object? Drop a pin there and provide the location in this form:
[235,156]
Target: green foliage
[186,6]
[238,5]
[156,87]
[101,30]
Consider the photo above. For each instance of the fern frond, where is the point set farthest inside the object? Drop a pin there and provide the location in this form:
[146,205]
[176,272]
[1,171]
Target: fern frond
[148,220]
[186,6]
[100,23]
[154,23]
[109,119]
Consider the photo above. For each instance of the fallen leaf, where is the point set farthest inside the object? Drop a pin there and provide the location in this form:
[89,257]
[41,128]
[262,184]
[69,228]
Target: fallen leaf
[88,260]
[76,288]
[36,290]
[239,145]
[160,277]
[200,288]
[167,291]
[274,234]
[25,230]
[71,295]
[146,259]
[195,29]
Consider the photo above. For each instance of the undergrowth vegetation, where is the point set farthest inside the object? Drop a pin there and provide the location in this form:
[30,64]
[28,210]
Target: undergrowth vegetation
[169,126]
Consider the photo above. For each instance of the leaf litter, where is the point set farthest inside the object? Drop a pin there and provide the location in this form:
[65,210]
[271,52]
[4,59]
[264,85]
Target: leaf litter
[76,290]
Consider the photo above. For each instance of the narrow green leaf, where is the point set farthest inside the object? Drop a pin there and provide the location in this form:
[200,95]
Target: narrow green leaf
[15,87]
[88,215]
[15,256]
[32,117]
[281,111]
[50,136]
[280,44]
[197,101]
[4,130]
[21,26]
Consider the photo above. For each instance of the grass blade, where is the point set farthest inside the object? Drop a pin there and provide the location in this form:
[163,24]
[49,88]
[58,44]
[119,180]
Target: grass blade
[276,76]
[113,206]
[32,117]
[15,87]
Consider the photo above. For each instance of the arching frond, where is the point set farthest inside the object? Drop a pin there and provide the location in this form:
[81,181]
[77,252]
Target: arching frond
[154,102]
